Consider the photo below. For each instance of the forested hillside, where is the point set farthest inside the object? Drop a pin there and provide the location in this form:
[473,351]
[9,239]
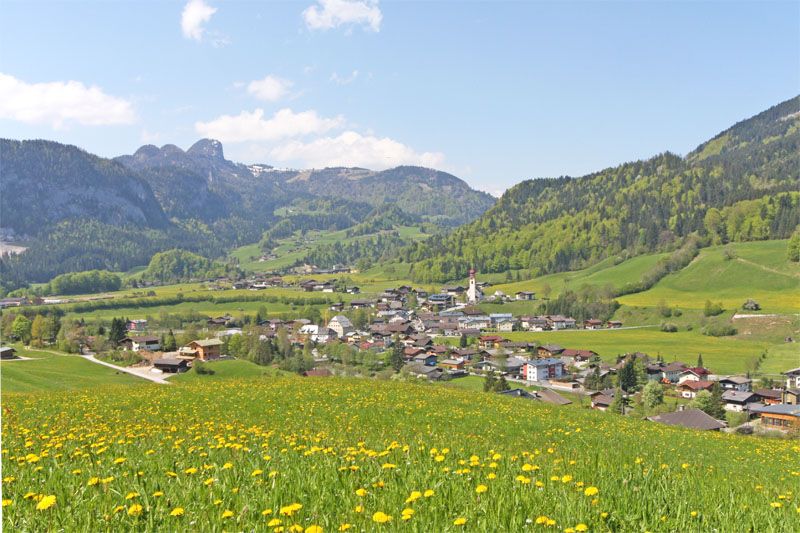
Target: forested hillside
[742,185]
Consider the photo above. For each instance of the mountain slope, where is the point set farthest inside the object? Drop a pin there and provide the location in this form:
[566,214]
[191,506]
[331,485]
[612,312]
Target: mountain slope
[44,183]
[742,185]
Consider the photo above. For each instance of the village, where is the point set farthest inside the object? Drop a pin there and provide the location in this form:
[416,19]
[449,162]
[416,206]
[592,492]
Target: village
[445,336]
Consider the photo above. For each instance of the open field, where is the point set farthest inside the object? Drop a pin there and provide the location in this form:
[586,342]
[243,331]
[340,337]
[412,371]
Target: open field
[49,372]
[724,355]
[758,270]
[223,370]
[318,454]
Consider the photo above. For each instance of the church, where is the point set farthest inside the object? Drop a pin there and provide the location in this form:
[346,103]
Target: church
[474,294]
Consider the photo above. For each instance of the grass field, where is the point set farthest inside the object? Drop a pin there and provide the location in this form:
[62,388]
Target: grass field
[759,270]
[723,355]
[48,372]
[229,369]
[337,454]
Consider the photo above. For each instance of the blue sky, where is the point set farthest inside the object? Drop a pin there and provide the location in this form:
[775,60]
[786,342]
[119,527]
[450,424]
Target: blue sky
[493,92]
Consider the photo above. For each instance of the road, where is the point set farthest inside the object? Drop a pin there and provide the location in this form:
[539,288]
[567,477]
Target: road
[139,372]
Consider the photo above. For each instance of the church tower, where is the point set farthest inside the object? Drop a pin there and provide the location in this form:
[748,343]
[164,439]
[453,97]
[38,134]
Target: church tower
[473,292]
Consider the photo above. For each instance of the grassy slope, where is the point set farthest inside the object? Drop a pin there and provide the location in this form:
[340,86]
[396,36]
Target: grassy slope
[225,370]
[294,248]
[49,372]
[760,271]
[409,437]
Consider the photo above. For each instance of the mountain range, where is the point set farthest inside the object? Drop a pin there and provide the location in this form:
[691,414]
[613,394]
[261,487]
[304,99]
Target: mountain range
[127,208]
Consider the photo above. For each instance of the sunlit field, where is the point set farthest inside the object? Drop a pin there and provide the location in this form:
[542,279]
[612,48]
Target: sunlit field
[294,454]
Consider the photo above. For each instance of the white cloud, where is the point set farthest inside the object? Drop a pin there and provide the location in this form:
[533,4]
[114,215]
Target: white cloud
[247,126]
[195,14]
[353,149]
[270,88]
[327,14]
[61,102]
[344,80]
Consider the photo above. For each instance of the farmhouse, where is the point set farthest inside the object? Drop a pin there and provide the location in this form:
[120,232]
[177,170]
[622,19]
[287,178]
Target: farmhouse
[592,323]
[550,350]
[737,383]
[693,374]
[689,418]
[150,344]
[791,397]
[525,295]
[690,388]
[783,417]
[739,401]
[205,350]
[792,378]
[602,400]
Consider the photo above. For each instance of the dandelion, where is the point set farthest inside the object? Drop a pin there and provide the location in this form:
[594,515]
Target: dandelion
[428,493]
[345,527]
[132,495]
[208,482]
[693,514]
[459,521]
[480,489]
[93,481]
[581,527]
[227,466]
[566,478]
[591,491]
[524,480]
[381,517]
[135,510]
[256,472]
[266,512]
[274,522]
[776,505]
[227,513]
[7,502]
[361,492]
[158,494]
[46,503]
[313,529]
[359,509]
[119,460]
[388,466]
[178,511]
[190,470]
[407,513]
[289,510]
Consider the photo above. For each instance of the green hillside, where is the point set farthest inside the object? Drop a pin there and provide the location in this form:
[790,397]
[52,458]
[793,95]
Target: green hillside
[48,372]
[334,454]
[731,274]
[742,186]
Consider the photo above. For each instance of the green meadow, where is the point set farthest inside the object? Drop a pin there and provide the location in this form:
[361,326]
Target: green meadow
[46,371]
[333,454]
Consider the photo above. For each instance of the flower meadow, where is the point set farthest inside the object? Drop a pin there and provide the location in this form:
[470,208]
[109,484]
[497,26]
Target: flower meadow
[322,455]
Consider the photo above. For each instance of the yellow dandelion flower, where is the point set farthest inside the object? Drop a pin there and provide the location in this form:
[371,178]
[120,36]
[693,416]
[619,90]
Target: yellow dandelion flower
[76,471]
[274,522]
[178,511]
[693,514]
[313,529]
[361,492]
[524,480]
[227,513]
[7,502]
[227,466]
[131,495]
[158,494]
[388,466]
[776,505]
[266,512]
[345,527]
[581,527]
[119,460]
[381,517]
[591,491]
[428,493]
[93,481]
[135,510]
[208,482]
[566,478]
[46,503]
[190,470]
[491,475]
[480,489]
[459,521]
[118,509]
[296,528]
[359,509]
[256,472]
[439,458]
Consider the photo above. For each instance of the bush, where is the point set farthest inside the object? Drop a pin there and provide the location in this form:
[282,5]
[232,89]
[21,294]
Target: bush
[202,368]
[669,328]
[720,330]
[712,309]
[736,419]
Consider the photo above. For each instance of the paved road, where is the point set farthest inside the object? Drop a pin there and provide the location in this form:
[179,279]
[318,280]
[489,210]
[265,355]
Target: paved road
[140,372]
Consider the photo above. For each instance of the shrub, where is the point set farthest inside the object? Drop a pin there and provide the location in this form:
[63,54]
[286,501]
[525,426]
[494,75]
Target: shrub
[719,330]
[712,309]
[201,368]
[751,305]
[668,328]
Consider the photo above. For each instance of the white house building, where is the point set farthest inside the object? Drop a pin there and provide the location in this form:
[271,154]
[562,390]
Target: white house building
[341,325]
